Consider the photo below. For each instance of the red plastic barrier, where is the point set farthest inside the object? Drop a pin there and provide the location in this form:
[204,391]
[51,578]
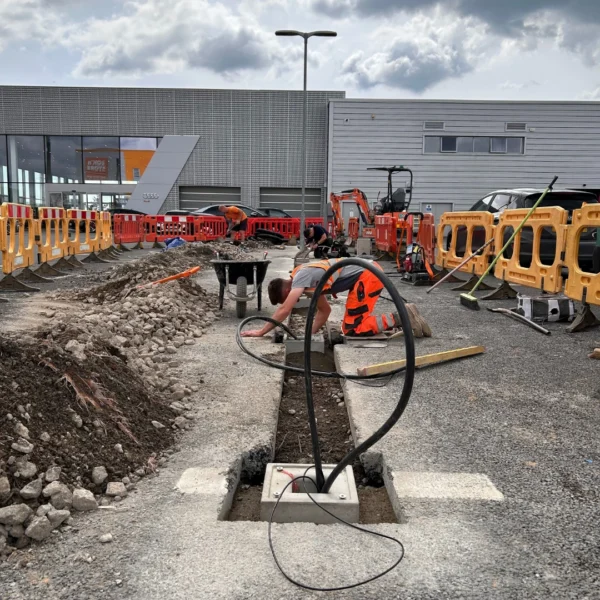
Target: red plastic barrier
[210,228]
[426,237]
[309,221]
[159,228]
[353,227]
[288,228]
[385,233]
[128,229]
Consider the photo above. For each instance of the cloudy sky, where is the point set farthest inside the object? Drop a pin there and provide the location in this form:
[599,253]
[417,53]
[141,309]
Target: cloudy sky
[482,49]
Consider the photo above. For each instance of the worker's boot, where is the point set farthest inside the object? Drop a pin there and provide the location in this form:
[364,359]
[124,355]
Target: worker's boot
[419,324]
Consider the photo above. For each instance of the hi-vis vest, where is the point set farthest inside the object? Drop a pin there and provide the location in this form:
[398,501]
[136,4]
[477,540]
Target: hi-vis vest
[324,265]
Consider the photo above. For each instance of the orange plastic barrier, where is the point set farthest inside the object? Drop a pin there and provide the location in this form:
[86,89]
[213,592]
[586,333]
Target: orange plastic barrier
[104,227]
[210,228]
[128,229]
[17,236]
[159,228]
[52,234]
[314,221]
[546,277]
[581,285]
[83,223]
[469,221]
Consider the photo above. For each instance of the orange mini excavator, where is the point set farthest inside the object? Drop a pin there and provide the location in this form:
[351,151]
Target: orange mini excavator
[366,213]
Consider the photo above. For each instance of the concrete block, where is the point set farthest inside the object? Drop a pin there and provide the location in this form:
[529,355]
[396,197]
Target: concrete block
[363,247]
[303,302]
[295,346]
[297,507]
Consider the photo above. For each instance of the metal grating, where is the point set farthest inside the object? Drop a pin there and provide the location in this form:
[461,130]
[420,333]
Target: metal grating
[516,127]
[433,125]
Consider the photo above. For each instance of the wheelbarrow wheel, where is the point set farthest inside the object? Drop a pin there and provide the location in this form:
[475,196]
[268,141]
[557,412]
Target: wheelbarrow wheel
[241,290]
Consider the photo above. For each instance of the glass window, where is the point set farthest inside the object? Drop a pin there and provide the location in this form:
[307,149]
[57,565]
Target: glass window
[481,144]
[448,144]
[101,159]
[498,145]
[3,159]
[483,204]
[500,202]
[432,143]
[514,145]
[136,153]
[464,144]
[65,159]
[27,172]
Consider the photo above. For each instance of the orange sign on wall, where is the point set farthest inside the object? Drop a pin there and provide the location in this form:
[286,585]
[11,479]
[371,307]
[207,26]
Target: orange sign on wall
[96,168]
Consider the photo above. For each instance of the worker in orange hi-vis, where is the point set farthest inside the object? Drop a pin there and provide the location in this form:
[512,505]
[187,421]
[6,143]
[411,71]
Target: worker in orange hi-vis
[364,289]
[237,220]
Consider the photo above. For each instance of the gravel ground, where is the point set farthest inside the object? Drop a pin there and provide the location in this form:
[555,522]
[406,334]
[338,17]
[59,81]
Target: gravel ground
[525,415]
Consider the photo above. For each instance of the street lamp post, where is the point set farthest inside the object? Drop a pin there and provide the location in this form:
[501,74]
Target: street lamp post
[305,35]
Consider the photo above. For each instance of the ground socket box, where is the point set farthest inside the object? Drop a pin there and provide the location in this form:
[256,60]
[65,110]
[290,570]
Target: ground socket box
[317,344]
[297,507]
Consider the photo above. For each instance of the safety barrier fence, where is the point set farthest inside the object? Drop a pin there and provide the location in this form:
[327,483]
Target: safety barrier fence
[459,235]
[61,235]
[548,254]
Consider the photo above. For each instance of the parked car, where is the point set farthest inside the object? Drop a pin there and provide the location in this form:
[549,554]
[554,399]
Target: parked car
[501,200]
[179,213]
[213,209]
[276,213]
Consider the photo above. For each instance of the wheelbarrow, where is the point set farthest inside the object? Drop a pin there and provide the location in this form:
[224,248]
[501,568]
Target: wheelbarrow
[240,274]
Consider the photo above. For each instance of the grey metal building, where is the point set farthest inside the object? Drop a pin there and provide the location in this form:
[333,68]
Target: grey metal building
[91,146]
[461,150]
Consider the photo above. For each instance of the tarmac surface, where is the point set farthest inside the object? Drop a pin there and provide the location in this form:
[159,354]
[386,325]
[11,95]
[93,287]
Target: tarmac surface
[493,470]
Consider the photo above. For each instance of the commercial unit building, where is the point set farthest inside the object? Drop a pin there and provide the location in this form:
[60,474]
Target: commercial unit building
[461,150]
[163,149]
[90,147]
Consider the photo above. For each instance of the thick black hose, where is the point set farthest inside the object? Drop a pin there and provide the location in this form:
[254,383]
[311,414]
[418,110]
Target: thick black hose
[285,367]
[409,343]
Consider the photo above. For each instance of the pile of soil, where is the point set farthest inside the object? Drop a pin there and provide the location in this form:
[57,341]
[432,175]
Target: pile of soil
[118,282]
[84,409]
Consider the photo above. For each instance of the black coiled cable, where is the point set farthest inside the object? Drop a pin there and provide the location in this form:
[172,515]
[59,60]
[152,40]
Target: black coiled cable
[321,484]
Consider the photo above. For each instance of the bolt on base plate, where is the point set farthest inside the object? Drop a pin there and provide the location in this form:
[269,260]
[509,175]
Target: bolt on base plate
[296,506]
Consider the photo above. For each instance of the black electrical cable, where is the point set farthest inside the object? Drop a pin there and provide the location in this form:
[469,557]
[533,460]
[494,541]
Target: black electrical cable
[409,344]
[284,367]
[328,589]
[321,485]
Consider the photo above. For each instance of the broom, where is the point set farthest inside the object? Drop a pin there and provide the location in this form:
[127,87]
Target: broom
[468,299]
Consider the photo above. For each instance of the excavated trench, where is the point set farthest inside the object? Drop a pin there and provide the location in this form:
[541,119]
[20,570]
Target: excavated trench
[293,442]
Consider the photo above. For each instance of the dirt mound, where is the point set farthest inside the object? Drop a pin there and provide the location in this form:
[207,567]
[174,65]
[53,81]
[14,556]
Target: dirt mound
[75,413]
[118,282]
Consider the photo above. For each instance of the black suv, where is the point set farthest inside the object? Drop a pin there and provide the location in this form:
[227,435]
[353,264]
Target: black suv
[501,200]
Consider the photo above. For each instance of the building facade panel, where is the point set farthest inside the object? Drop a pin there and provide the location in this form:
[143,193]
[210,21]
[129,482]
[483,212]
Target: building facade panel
[558,138]
[248,139]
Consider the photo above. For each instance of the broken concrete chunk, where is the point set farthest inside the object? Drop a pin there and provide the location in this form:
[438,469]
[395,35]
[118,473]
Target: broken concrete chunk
[23,446]
[21,430]
[39,529]
[116,488]
[52,474]
[84,500]
[4,489]
[32,490]
[57,517]
[15,514]
[99,475]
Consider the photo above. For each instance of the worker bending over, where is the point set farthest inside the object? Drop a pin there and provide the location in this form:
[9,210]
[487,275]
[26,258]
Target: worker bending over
[317,239]
[236,219]
[364,288]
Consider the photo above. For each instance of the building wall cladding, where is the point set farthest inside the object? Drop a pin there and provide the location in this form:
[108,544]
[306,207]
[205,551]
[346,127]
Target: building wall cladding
[369,133]
[248,138]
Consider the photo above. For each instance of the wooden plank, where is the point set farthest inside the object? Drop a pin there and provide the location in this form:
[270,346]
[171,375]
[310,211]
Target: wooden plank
[422,361]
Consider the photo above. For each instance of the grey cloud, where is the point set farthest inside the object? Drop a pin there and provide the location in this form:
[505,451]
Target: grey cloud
[229,52]
[506,15]
[407,65]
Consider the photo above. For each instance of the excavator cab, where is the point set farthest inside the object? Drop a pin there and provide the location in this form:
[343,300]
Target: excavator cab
[395,201]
